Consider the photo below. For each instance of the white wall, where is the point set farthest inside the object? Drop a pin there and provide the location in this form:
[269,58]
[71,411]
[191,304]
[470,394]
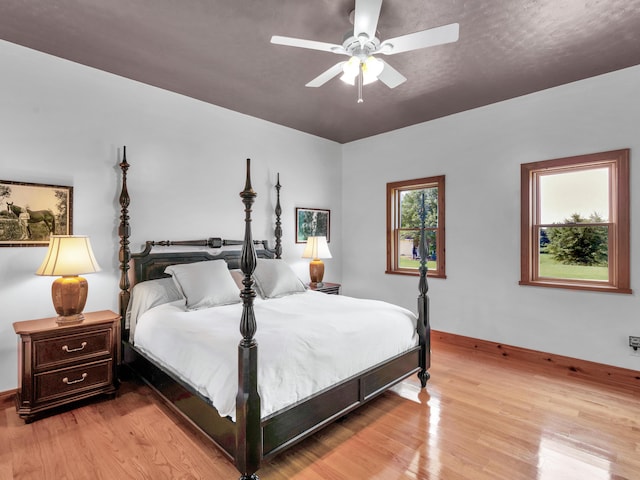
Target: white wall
[480,152]
[65,124]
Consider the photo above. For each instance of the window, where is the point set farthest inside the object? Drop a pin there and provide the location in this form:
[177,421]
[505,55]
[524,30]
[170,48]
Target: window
[575,222]
[404,202]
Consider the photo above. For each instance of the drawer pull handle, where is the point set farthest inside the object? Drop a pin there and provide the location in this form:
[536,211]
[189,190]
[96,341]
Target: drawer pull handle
[69,350]
[71,382]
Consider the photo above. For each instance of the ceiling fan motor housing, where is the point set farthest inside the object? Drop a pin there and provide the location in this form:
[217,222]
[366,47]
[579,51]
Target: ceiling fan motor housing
[361,49]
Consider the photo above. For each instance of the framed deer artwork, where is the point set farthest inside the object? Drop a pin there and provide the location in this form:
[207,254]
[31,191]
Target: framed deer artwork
[31,212]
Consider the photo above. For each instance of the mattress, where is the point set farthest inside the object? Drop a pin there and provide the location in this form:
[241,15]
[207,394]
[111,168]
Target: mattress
[306,343]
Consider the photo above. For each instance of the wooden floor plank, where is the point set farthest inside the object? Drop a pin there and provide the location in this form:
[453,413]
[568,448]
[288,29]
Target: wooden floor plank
[480,418]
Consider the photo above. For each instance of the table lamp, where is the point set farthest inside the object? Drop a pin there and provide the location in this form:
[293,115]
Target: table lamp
[68,257]
[316,249]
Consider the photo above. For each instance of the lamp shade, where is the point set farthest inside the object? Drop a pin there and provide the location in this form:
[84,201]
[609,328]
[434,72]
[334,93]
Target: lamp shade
[317,247]
[68,255]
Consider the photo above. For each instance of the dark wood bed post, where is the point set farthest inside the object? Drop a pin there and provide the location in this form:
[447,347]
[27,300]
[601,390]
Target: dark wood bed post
[249,431]
[124,232]
[278,231]
[424,328]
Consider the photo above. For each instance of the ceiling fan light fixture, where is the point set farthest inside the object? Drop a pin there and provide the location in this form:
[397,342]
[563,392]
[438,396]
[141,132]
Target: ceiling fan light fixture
[372,67]
[352,80]
[348,80]
[351,68]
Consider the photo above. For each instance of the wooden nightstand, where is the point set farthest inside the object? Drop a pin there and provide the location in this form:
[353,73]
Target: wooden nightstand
[60,364]
[330,288]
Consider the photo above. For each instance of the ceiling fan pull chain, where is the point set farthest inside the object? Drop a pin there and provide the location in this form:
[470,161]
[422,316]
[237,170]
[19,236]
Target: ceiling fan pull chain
[360,80]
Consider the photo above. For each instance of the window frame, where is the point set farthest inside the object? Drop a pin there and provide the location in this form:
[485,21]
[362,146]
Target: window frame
[619,220]
[393,217]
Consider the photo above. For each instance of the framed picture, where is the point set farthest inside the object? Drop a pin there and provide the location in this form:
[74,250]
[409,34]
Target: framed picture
[31,212]
[312,222]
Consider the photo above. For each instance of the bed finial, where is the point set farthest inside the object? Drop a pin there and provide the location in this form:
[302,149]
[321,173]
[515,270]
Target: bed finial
[278,231]
[247,184]
[424,329]
[124,255]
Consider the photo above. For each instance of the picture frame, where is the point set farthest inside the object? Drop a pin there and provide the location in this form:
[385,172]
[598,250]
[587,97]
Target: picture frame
[31,212]
[312,222]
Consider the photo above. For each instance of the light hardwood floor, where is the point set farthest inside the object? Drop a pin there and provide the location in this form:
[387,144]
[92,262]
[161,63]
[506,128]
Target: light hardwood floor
[481,417]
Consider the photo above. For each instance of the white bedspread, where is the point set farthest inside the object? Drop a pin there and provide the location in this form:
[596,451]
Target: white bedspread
[306,342]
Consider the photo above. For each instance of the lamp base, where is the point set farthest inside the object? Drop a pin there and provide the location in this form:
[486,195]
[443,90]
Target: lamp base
[70,319]
[69,294]
[316,271]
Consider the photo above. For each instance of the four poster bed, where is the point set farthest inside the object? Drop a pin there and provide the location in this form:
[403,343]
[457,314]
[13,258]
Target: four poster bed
[315,363]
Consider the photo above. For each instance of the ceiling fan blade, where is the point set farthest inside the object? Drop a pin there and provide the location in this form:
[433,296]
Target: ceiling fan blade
[390,76]
[365,18]
[425,38]
[312,44]
[325,76]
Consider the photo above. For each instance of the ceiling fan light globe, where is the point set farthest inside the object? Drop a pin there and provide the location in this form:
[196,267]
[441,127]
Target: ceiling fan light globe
[367,79]
[351,67]
[348,79]
[372,66]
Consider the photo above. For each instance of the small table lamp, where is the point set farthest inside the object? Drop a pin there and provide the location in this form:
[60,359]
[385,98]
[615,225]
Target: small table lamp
[68,257]
[316,249]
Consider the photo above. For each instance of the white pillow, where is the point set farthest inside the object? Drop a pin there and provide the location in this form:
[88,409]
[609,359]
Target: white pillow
[205,284]
[146,295]
[275,278]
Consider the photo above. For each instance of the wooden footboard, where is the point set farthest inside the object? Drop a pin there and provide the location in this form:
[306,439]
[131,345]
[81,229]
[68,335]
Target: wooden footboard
[282,429]
[287,427]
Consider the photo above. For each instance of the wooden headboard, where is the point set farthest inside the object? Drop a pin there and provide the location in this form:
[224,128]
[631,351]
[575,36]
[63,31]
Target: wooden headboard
[150,264]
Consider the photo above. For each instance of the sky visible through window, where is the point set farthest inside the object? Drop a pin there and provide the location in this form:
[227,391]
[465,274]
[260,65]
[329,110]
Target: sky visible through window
[583,192]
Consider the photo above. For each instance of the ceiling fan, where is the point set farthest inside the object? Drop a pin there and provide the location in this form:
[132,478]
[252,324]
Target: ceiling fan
[361,44]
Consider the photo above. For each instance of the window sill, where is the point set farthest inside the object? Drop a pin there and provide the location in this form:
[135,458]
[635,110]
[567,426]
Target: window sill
[576,286]
[430,273]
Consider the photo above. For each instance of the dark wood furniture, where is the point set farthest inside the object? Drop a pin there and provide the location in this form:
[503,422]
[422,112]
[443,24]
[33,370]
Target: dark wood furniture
[61,364]
[251,439]
[326,287]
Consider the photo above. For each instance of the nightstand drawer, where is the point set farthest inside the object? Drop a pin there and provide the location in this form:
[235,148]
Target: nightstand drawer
[71,348]
[60,383]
